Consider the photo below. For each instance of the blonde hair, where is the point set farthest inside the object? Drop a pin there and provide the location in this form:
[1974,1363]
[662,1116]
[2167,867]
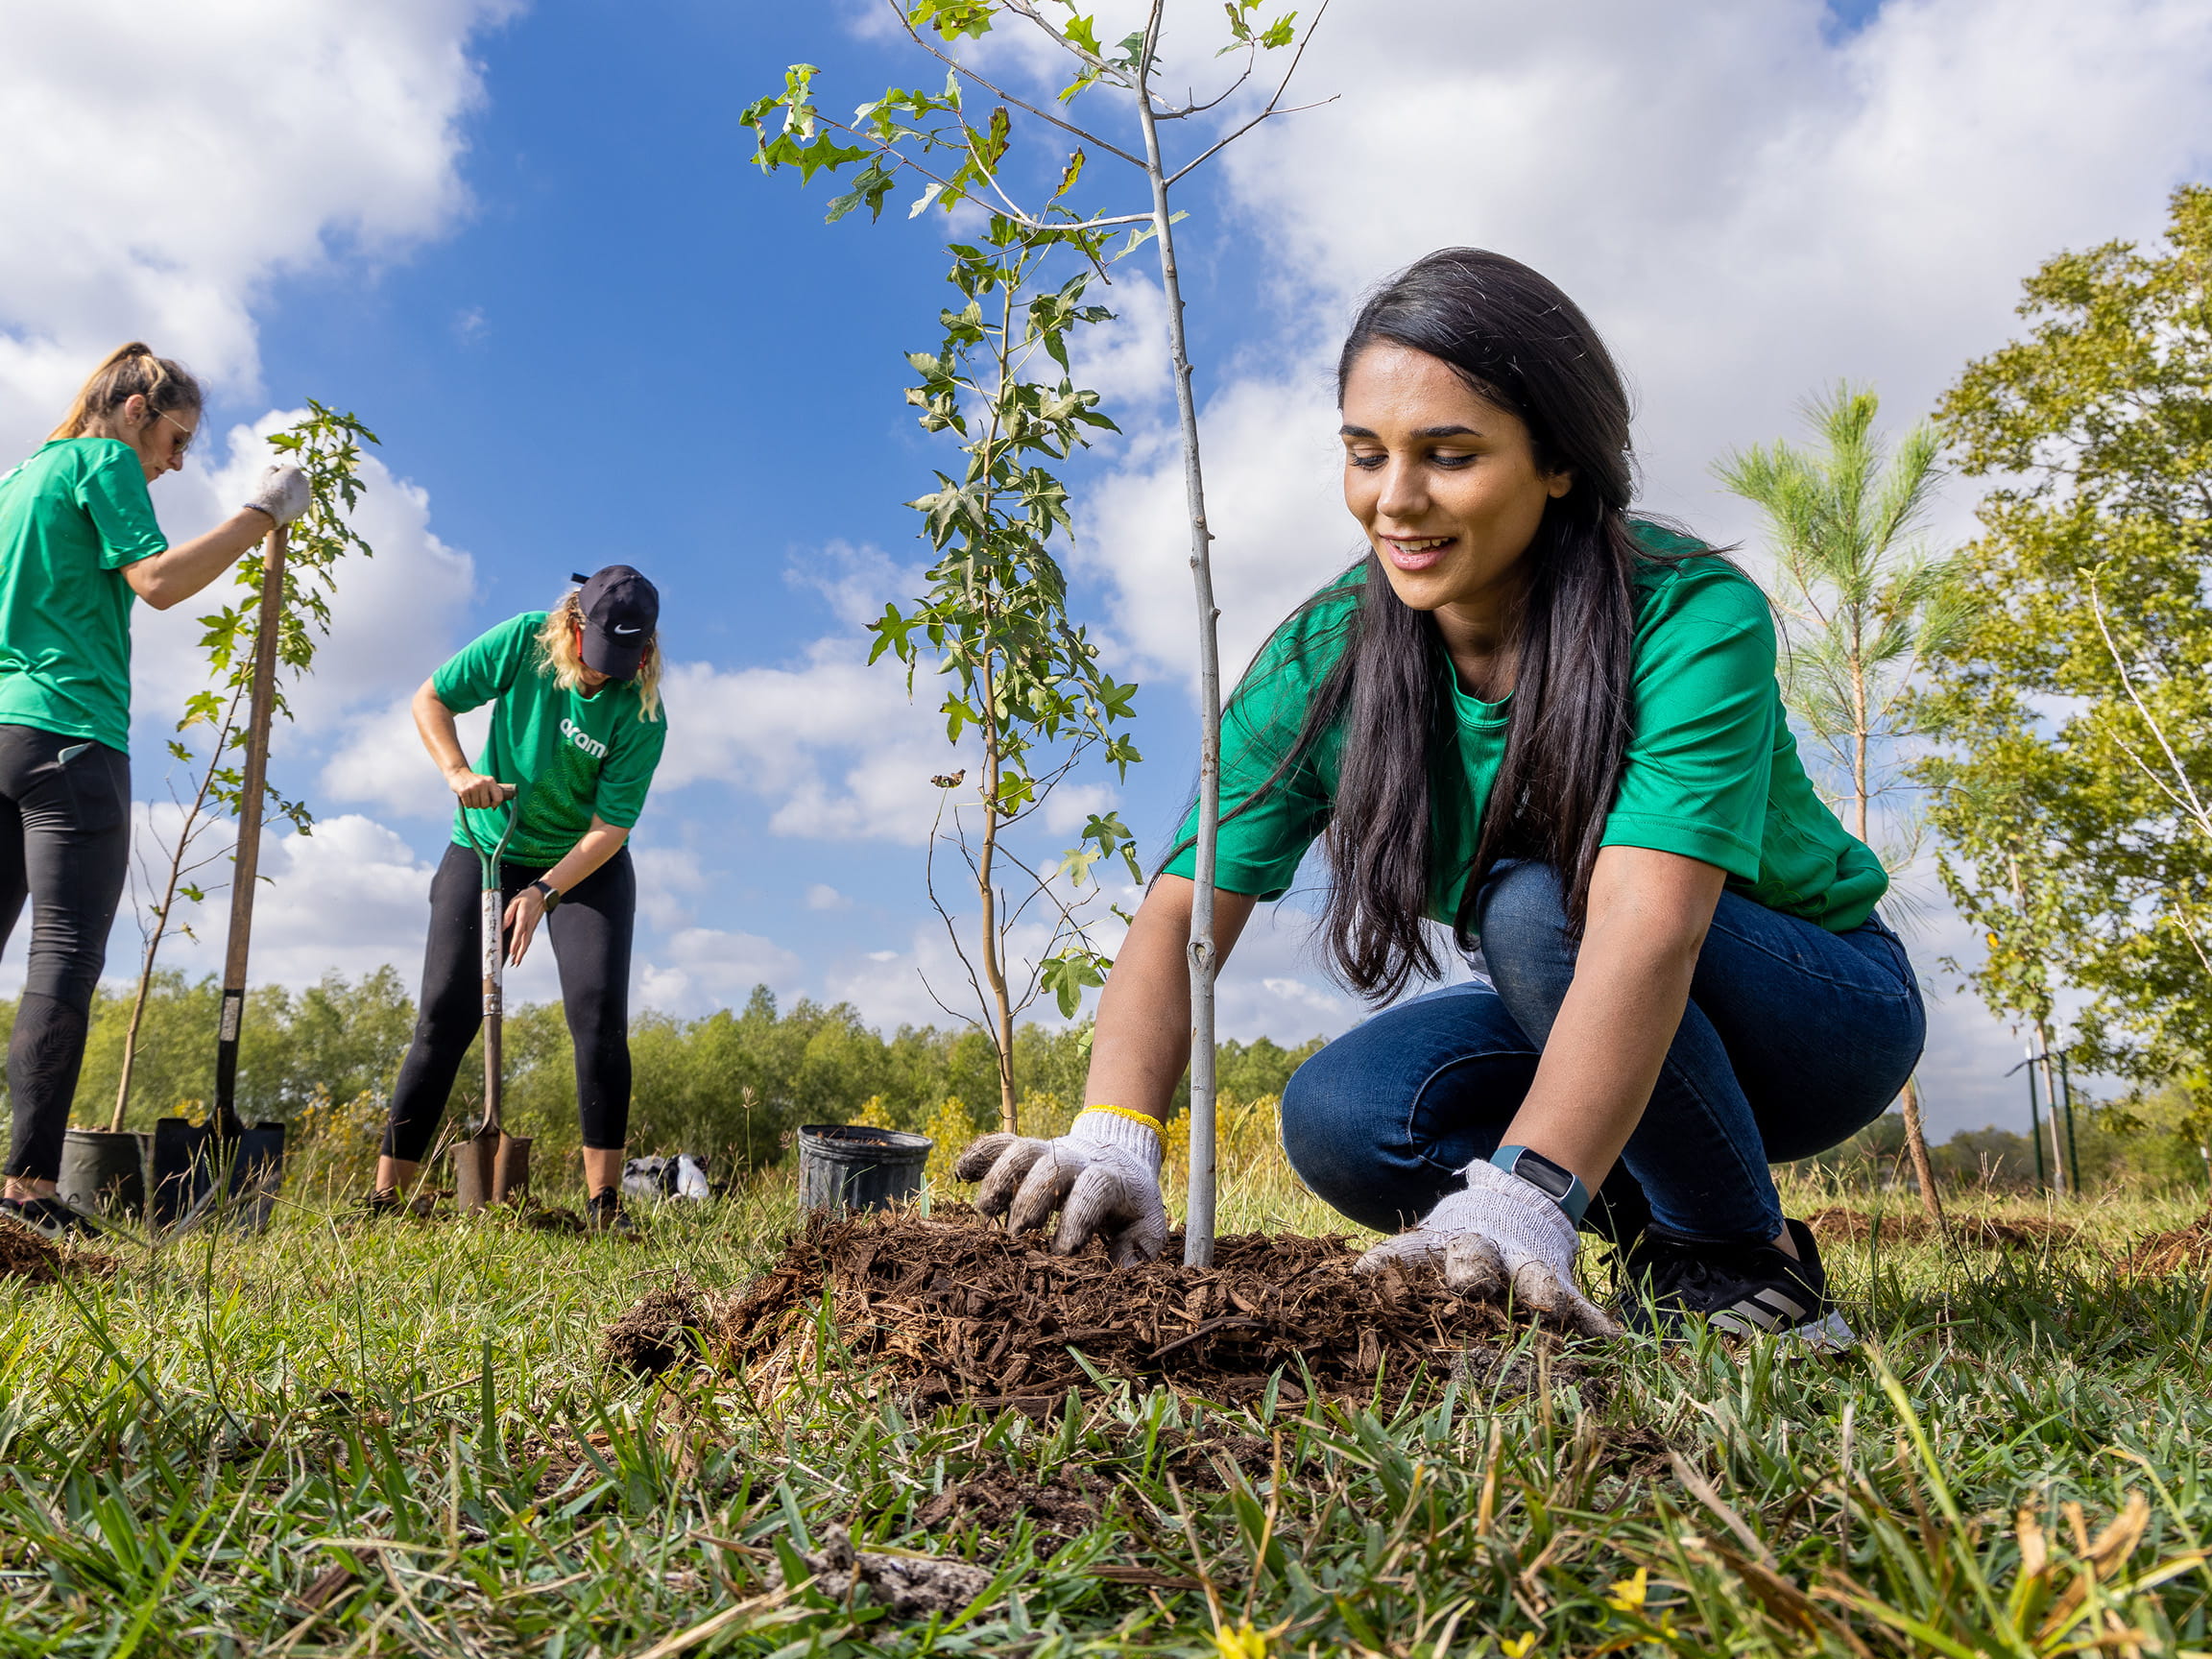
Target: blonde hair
[131,372]
[558,638]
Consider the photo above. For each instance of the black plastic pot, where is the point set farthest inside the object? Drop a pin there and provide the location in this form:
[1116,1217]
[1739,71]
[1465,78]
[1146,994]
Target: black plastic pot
[852,1166]
[104,1171]
[188,1155]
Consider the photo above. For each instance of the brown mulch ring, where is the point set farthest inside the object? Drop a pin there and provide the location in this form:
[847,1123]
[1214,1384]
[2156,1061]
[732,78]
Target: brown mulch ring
[1914,1227]
[958,1309]
[28,1256]
[2185,1249]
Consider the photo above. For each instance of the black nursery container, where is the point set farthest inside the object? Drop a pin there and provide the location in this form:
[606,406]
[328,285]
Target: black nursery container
[104,1171]
[852,1166]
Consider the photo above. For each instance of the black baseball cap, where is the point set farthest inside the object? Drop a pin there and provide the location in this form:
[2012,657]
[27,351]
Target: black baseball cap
[620,609]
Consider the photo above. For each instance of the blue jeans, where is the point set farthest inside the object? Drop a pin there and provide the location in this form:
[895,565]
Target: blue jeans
[1795,1039]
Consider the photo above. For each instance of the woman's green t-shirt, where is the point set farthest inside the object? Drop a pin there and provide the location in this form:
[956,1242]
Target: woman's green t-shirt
[1710,772]
[70,518]
[571,755]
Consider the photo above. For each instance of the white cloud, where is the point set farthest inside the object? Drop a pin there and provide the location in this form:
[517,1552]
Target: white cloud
[1746,210]
[698,969]
[821,896]
[669,879]
[834,740]
[351,898]
[166,162]
[1749,208]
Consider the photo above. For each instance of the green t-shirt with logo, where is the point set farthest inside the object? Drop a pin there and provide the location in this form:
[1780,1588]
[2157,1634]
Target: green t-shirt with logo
[571,755]
[1712,771]
[70,518]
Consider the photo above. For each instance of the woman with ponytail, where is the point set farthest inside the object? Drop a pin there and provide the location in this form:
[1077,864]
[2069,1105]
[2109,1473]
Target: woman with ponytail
[1554,728]
[78,542]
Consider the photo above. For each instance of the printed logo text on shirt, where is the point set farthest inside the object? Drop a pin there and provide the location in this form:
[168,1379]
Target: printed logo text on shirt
[583,740]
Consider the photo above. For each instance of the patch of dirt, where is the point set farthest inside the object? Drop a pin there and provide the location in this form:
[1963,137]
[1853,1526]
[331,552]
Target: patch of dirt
[1061,1507]
[1633,1452]
[910,1586]
[959,1309]
[2183,1250]
[1914,1227]
[28,1256]
[656,1331]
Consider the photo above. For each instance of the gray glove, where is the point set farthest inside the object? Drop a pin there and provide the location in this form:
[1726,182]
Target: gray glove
[1501,1235]
[1103,1176]
[281,493]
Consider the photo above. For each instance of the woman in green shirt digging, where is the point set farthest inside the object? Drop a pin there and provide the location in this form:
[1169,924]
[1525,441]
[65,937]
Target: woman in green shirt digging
[1556,729]
[577,730]
[78,545]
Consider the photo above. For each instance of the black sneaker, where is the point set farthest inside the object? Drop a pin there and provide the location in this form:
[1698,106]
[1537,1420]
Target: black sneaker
[604,1215]
[48,1216]
[1666,1280]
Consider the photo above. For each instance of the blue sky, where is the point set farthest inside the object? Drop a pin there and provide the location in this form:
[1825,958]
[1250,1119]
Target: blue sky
[525,243]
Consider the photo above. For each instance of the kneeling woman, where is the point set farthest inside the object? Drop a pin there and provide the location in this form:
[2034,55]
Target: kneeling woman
[1556,728]
[576,733]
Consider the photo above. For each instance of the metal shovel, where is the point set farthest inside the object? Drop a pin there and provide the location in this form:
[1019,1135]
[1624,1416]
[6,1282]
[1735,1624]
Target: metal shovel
[491,1166]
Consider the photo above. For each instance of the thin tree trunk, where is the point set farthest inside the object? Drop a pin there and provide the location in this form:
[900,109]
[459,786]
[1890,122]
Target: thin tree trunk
[1859,749]
[994,966]
[1198,1222]
[2062,1177]
[1916,1143]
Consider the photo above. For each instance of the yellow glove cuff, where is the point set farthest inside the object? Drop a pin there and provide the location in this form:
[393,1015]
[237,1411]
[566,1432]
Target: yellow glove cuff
[1152,1123]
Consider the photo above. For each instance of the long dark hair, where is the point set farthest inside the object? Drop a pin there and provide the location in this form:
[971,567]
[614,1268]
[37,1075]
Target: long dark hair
[1522,344]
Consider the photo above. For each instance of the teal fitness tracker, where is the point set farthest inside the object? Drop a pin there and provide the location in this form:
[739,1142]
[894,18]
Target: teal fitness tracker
[1563,1187]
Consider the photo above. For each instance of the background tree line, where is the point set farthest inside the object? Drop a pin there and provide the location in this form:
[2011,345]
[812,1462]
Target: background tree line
[733,1084]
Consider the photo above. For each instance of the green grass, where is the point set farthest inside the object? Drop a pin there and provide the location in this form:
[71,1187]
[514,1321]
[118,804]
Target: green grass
[407,1427]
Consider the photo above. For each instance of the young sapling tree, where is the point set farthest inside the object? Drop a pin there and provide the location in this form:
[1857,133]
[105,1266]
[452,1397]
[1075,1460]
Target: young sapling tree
[962,160]
[1864,604]
[326,445]
[1026,688]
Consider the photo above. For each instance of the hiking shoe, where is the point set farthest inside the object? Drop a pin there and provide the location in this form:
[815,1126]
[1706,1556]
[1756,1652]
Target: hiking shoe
[604,1215]
[48,1216]
[1666,1281]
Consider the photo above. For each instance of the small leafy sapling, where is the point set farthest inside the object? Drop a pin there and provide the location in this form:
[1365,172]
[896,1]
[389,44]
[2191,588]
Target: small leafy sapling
[1025,687]
[959,157]
[326,446]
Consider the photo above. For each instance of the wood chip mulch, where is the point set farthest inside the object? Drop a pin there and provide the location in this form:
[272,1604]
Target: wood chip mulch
[958,1309]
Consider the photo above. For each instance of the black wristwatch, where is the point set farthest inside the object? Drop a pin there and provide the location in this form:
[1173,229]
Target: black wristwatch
[1562,1185]
[547,892]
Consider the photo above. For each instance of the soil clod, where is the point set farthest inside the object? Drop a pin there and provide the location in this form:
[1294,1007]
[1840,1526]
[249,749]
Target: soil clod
[910,1586]
[657,1331]
[26,1255]
[961,1310]
[2185,1249]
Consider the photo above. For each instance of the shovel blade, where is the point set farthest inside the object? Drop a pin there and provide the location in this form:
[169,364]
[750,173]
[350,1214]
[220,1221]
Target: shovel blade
[511,1169]
[256,1173]
[475,1172]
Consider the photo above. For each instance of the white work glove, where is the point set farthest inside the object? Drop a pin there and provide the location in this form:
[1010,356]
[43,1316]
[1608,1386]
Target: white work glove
[281,493]
[1103,1176]
[1501,1235]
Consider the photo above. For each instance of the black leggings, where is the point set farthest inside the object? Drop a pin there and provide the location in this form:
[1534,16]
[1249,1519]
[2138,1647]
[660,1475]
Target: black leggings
[64,845]
[590,930]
